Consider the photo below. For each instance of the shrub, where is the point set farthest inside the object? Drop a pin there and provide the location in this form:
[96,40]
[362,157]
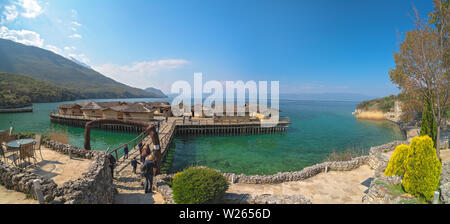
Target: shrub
[422,168]
[199,185]
[346,155]
[396,165]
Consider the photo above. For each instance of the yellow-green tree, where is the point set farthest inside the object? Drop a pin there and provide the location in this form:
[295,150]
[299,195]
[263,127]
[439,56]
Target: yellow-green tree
[423,168]
[396,165]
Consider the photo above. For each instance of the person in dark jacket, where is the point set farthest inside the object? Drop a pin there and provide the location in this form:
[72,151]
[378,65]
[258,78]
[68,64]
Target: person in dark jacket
[125,152]
[147,171]
[134,163]
[112,163]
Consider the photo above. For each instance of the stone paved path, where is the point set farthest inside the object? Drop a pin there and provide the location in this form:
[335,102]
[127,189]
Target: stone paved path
[129,185]
[14,197]
[334,187]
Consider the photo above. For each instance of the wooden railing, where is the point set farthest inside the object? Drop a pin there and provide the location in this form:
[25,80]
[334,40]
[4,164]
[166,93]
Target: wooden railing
[117,151]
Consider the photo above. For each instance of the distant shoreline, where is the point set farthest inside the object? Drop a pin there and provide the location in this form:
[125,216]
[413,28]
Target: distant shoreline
[17,110]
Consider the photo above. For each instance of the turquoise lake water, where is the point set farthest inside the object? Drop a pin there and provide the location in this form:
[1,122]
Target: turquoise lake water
[318,128]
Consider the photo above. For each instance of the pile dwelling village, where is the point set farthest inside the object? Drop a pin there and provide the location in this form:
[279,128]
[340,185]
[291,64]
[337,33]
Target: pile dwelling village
[137,116]
[78,114]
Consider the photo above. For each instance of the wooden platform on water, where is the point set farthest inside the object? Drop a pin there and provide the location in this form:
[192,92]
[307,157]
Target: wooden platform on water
[178,126]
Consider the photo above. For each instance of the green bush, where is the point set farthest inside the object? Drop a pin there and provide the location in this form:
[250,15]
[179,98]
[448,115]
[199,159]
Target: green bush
[396,165]
[199,185]
[422,168]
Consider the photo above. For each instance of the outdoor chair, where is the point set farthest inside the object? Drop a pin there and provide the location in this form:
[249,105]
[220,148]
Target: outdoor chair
[27,151]
[3,137]
[37,146]
[2,152]
[13,157]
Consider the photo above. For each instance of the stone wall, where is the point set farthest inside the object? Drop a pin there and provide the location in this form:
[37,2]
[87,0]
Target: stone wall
[306,173]
[380,192]
[66,148]
[161,186]
[445,183]
[377,160]
[231,198]
[17,179]
[94,187]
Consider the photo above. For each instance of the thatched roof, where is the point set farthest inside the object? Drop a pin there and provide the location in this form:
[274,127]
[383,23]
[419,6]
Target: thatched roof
[82,104]
[68,106]
[110,104]
[92,106]
[132,108]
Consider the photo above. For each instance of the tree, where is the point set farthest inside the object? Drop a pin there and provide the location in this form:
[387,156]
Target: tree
[422,168]
[422,63]
[397,165]
[428,123]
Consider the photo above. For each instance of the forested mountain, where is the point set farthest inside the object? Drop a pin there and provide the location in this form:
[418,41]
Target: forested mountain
[20,90]
[44,65]
[156,92]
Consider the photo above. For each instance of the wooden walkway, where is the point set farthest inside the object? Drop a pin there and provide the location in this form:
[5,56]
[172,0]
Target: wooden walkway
[130,185]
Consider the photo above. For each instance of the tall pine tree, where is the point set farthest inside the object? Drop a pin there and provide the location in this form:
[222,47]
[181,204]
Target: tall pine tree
[428,123]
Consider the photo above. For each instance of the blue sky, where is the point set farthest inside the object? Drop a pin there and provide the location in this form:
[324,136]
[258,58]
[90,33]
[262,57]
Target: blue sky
[309,46]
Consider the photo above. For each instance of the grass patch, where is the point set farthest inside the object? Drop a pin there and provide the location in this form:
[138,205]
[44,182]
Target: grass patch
[25,135]
[346,155]
[397,191]
[27,196]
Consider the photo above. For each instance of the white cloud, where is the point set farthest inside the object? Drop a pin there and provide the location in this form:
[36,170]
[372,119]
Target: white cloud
[67,48]
[10,13]
[26,8]
[76,36]
[74,29]
[80,57]
[76,23]
[22,36]
[140,74]
[31,8]
[55,49]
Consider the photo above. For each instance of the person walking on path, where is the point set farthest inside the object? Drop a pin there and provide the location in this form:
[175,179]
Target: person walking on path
[112,163]
[148,170]
[125,152]
[134,163]
[140,146]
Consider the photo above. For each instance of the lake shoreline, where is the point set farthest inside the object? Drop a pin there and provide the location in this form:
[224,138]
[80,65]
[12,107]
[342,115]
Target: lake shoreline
[17,110]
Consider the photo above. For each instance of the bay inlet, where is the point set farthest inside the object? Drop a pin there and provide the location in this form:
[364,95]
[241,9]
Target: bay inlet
[318,128]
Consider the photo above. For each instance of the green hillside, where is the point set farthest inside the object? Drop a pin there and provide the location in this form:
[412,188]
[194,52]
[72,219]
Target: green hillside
[16,58]
[384,104]
[20,90]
